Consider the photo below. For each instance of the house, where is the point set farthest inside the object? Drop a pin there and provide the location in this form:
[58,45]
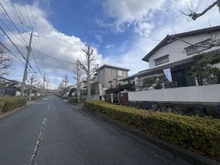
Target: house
[108,76]
[176,52]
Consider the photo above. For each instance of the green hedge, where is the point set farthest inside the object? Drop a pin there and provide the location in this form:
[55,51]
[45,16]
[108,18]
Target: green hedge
[36,97]
[73,100]
[63,97]
[201,135]
[10,103]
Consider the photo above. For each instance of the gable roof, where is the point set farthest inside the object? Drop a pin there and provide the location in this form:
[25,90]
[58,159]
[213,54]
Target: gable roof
[171,38]
[113,67]
[146,72]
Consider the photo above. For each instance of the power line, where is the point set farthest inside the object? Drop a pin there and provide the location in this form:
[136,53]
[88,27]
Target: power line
[12,22]
[32,71]
[21,18]
[12,42]
[39,45]
[12,31]
[17,49]
[56,58]
[37,64]
[11,53]
[27,14]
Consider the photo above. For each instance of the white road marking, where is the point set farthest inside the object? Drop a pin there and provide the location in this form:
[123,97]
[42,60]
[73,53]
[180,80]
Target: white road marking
[39,140]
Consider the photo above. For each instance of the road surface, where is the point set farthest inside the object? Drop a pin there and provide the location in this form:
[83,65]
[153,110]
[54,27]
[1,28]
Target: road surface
[53,132]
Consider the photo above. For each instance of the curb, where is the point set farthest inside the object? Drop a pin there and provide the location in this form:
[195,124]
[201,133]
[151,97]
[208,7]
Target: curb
[17,109]
[177,151]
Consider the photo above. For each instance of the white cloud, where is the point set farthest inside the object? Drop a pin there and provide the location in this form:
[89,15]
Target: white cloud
[150,35]
[135,12]
[50,41]
[108,46]
[152,20]
[99,38]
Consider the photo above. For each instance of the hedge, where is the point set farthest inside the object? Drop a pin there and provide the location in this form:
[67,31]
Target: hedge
[10,103]
[64,97]
[36,97]
[73,100]
[200,135]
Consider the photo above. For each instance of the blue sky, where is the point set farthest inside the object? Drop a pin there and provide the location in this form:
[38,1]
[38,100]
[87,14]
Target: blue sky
[120,31]
[80,19]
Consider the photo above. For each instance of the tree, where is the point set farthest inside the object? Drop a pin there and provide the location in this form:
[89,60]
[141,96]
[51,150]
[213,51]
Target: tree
[194,15]
[32,80]
[65,81]
[78,73]
[87,67]
[204,69]
[4,62]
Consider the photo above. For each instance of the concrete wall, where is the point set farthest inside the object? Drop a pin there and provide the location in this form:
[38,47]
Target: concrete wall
[176,49]
[18,93]
[208,93]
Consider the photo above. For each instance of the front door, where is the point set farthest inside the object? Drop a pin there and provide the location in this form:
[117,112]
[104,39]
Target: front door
[180,78]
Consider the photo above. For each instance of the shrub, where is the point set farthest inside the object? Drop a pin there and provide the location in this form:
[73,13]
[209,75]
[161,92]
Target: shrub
[36,97]
[63,97]
[73,100]
[10,103]
[198,134]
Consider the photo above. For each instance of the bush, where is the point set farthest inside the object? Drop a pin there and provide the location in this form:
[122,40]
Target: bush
[10,103]
[63,97]
[198,134]
[36,97]
[73,100]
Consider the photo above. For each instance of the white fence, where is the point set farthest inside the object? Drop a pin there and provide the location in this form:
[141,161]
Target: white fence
[204,94]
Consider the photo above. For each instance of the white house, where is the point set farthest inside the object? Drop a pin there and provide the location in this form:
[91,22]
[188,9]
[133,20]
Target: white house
[176,52]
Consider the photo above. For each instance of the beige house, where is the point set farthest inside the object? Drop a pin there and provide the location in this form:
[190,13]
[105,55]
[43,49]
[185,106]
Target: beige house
[108,76]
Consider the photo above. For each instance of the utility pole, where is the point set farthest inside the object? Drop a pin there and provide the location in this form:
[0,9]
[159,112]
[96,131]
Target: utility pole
[26,65]
[47,86]
[44,81]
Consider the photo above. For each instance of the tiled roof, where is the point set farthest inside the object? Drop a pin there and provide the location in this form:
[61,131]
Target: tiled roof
[171,38]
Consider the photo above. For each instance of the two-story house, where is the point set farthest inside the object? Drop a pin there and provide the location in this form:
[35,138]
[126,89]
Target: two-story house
[177,51]
[108,76]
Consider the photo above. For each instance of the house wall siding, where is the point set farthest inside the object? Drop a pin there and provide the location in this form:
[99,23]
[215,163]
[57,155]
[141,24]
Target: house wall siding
[104,77]
[176,49]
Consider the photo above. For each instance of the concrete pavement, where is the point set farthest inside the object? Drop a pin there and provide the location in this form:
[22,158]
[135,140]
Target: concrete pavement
[52,132]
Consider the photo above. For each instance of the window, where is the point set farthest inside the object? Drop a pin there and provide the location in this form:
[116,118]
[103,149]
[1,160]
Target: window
[120,73]
[109,71]
[198,47]
[162,60]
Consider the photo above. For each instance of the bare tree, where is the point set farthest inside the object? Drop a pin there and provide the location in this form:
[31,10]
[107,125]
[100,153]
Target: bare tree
[78,74]
[4,62]
[87,67]
[194,14]
[65,81]
[32,80]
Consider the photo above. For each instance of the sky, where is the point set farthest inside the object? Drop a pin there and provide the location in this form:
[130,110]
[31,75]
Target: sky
[121,32]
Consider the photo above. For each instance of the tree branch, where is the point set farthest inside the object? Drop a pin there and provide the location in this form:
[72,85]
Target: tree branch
[195,15]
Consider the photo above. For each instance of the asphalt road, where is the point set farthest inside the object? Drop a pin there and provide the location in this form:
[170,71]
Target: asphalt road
[52,132]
